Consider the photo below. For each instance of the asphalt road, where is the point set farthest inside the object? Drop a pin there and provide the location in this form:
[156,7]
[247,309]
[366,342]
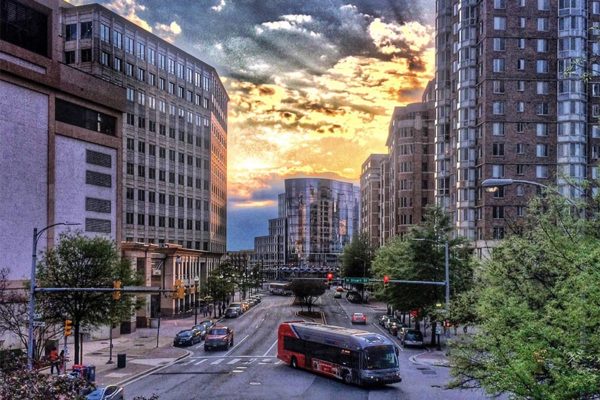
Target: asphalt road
[250,369]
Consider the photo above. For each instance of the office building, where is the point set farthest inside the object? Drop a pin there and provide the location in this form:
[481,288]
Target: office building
[60,138]
[174,128]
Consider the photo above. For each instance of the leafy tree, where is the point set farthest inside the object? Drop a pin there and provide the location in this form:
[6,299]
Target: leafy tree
[83,262]
[307,291]
[220,285]
[419,256]
[538,311]
[14,308]
[357,257]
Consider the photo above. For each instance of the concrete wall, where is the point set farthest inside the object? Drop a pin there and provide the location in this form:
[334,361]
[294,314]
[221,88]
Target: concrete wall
[23,174]
[71,187]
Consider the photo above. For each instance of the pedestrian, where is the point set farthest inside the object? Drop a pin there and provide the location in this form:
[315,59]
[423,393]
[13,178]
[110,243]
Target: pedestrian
[54,361]
[61,358]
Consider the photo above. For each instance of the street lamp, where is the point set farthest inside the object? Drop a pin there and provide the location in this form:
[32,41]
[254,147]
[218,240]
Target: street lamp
[36,236]
[492,184]
[196,280]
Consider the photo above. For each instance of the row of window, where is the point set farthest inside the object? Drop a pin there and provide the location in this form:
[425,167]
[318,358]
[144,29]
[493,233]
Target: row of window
[162,153]
[182,180]
[541,149]
[188,95]
[541,66]
[541,171]
[187,244]
[187,202]
[499,108]
[162,221]
[544,5]
[143,52]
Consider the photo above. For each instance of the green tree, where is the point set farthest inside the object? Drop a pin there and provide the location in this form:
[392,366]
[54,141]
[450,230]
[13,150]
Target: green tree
[419,256]
[538,311]
[83,262]
[220,285]
[307,291]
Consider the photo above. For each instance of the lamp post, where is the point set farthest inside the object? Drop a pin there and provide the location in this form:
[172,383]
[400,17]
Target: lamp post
[196,280]
[36,236]
[492,184]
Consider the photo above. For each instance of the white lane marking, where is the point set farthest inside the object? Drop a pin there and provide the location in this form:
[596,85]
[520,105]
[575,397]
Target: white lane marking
[234,347]
[201,361]
[219,361]
[266,360]
[270,348]
[234,360]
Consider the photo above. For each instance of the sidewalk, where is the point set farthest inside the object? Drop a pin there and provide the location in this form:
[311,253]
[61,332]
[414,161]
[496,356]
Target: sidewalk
[140,348]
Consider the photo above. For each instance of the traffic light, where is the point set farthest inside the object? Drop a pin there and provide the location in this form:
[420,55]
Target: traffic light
[68,327]
[117,293]
[386,281]
[329,277]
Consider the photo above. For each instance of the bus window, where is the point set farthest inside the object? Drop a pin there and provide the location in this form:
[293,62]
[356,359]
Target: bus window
[380,357]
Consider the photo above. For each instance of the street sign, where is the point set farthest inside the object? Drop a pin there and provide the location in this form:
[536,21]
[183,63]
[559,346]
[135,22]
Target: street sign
[37,316]
[39,324]
[356,280]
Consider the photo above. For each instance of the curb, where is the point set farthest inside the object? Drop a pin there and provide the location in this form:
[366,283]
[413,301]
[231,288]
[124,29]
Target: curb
[413,359]
[125,382]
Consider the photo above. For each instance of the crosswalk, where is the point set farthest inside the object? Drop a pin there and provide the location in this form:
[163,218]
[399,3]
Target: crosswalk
[234,361]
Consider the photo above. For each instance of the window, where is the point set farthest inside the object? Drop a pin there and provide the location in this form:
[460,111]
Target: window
[499,44]
[520,169]
[596,7]
[104,33]
[498,108]
[118,64]
[541,129]
[117,39]
[498,149]
[498,233]
[128,45]
[499,193]
[141,74]
[541,171]
[171,88]
[521,43]
[69,57]
[520,148]
[541,66]
[171,66]
[520,190]
[86,55]
[161,61]
[543,5]
[141,219]
[498,128]
[151,102]
[498,212]
[141,195]
[497,171]
[520,86]
[130,169]
[542,109]
[542,24]
[498,65]
[542,45]
[520,106]
[500,23]
[141,98]
[129,218]
[541,150]
[130,119]
[161,83]
[141,53]
[141,171]
[521,64]
[596,89]
[86,30]
[151,56]
[104,58]
[499,4]
[128,69]
[522,21]
[151,79]
[130,94]
[542,87]
[71,32]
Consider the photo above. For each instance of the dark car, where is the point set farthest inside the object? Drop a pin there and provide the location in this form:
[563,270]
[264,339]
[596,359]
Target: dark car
[187,337]
[383,318]
[110,392]
[203,327]
[232,313]
[218,337]
[412,337]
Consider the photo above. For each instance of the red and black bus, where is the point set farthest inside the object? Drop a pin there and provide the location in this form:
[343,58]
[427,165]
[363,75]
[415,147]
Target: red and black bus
[352,355]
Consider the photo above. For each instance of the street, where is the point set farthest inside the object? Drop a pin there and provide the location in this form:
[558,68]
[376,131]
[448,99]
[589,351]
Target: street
[250,369]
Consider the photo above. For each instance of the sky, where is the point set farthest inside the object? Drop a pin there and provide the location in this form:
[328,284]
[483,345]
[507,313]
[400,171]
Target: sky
[312,84]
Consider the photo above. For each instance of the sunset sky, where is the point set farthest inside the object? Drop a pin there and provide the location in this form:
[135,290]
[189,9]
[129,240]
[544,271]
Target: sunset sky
[312,83]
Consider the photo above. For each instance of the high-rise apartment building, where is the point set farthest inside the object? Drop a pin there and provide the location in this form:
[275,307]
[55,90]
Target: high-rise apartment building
[370,198]
[60,138]
[317,218]
[174,128]
[411,167]
[511,103]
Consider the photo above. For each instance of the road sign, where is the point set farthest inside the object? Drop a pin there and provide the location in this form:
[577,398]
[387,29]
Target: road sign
[356,280]
[37,316]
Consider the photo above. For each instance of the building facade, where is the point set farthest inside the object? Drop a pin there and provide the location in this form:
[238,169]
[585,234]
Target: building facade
[174,128]
[370,197]
[60,138]
[511,103]
[317,218]
[410,149]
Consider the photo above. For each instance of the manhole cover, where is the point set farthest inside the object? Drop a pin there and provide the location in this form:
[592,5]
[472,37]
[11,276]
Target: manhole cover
[428,372]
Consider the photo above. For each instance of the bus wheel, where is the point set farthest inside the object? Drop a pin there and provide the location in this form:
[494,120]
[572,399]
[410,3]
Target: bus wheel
[347,377]
[294,362]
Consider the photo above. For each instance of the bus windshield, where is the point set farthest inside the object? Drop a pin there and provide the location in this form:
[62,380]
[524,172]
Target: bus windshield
[380,357]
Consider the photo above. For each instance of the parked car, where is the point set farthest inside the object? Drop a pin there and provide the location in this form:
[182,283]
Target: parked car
[238,306]
[245,305]
[257,298]
[395,326]
[187,337]
[203,327]
[337,295]
[359,318]
[412,337]
[218,337]
[391,320]
[383,318]
[232,313]
[109,392]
